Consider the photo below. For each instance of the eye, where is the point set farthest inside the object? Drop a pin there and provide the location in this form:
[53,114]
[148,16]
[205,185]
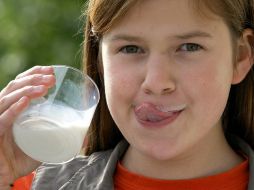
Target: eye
[131,49]
[190,47]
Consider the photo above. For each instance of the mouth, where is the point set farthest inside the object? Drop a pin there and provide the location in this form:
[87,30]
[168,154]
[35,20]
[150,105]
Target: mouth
[154,116]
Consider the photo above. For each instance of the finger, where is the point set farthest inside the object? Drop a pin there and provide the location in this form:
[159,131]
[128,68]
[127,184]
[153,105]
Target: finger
[31,80]
[29,91]
[47,70]
[9,116]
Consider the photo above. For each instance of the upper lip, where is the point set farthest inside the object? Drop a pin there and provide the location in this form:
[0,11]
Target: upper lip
[175,108]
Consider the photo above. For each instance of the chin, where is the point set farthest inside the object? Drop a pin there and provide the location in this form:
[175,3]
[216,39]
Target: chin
[162,151]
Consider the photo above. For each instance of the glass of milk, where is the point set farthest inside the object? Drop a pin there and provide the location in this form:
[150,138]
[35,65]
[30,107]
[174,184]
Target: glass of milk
[53,127]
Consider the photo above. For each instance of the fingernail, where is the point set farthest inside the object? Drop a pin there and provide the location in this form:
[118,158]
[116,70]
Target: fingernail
[48,68]
[21,100]
[47,78]
[38,89]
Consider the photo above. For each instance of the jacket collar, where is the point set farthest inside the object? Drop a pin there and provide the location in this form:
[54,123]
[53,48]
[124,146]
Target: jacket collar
[105,180]
[237,144]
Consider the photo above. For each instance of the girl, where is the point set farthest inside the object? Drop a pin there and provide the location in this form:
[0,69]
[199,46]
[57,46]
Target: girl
[176,111]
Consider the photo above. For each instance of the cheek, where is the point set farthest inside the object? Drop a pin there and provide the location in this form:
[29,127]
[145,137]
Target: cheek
[208,89]
[120,85]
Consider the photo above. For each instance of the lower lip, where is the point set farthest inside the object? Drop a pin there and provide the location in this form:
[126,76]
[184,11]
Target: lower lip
[160,124]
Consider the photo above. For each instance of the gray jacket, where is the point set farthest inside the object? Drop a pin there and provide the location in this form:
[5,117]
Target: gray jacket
[96,171]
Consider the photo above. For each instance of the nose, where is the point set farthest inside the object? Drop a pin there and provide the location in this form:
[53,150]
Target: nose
[159,79]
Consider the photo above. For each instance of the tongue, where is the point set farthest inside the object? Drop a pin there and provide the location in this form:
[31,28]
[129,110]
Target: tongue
[149,112]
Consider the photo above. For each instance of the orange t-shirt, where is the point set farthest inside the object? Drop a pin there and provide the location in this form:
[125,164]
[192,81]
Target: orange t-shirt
[23,183]
[234,179]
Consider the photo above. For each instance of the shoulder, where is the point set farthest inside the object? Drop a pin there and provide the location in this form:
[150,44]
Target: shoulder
[83,172]
[54,176]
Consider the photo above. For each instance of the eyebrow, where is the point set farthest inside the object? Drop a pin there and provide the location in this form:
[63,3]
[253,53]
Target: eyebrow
[125,37]
[194,34]
[184,36]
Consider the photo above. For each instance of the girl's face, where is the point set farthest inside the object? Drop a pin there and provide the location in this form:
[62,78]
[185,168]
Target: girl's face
[167,73]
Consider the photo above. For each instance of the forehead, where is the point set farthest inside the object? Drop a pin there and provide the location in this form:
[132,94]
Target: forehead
[162,14]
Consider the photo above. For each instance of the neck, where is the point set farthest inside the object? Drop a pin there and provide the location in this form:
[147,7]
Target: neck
[210,156]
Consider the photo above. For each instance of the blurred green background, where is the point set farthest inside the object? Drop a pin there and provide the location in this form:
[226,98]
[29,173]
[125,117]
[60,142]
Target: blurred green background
[39,32]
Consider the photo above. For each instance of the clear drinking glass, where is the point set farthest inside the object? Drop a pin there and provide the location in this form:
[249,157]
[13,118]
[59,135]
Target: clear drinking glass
[53,127]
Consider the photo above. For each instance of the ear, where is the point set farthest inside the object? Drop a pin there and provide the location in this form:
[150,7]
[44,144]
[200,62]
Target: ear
[244,57]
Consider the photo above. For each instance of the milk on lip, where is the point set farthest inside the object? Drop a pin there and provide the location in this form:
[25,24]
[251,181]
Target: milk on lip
[160,108]
[52,133]
[154,113]
[170,108]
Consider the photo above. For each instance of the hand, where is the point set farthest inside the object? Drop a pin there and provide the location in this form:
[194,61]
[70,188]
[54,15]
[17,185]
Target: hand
[14,98]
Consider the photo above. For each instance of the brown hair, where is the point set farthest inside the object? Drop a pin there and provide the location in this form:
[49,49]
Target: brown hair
[238,117]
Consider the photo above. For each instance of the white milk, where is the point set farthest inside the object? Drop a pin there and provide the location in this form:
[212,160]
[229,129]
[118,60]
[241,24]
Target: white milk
[51,133]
